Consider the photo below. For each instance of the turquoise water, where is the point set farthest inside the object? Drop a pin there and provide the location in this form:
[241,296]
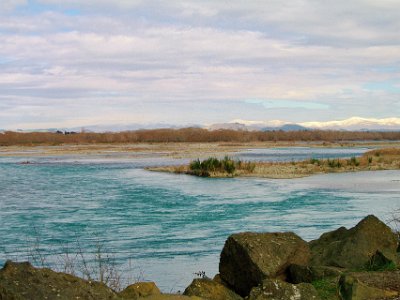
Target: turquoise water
[165,227]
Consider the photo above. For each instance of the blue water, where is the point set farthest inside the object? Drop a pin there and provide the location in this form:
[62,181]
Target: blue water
[165,227]
[298,153]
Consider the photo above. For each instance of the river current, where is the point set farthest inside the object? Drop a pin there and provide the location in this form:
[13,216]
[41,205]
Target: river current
[166,227]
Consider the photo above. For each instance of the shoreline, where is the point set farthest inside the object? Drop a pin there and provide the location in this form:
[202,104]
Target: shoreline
[342,259]
[278,175]
[271,170]
[374,160]
[176,150]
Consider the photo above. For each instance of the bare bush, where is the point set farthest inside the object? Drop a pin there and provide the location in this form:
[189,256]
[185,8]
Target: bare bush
[98,265]
[395,222]
[193,135]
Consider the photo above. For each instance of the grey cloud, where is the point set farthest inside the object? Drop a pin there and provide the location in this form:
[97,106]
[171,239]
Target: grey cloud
[96,4]
[7,6]
[358,22]
[337,23]
[122,56]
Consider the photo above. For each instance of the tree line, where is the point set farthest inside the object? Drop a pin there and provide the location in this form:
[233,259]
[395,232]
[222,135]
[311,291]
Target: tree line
[192,135]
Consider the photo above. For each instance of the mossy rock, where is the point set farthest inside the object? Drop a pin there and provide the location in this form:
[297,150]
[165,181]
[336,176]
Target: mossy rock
[370,285]
[273,289]
[23,281]
[249,258]
[140,289]
[357,247]
[211,290]
[299,274]
[327,288]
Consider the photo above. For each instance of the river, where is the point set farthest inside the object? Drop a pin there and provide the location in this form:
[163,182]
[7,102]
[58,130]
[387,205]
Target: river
[166,227]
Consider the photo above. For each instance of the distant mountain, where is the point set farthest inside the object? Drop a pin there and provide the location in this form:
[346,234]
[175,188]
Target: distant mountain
[351,124]
[231,126]
[124,127]
[357,123]
[113,127]
[292,127]
[256,127]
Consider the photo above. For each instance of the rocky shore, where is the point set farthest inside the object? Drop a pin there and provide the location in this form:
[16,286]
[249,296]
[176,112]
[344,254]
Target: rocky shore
[351,264]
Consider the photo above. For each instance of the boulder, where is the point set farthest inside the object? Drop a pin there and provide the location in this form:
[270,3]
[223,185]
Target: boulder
[140,289]
[23,281]
[370,285]
[299,274]
[355,248]
[248,258]
[217,278]
[274,289]
[171,297]
[210,289]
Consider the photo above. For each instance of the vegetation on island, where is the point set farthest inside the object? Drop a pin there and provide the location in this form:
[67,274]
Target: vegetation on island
[189,135]
[213,166]
[380,159]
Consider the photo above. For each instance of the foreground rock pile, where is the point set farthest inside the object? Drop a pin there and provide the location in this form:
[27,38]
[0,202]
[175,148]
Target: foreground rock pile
[351,264]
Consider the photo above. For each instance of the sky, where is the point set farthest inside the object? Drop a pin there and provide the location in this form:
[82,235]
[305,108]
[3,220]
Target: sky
[89,62]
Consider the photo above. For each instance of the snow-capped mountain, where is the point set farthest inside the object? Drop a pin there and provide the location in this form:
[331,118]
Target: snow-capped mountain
[357,123]
[354,123]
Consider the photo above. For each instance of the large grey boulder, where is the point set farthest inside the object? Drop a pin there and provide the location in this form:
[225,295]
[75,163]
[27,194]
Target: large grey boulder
[274,289]
[356,248]
[248,258]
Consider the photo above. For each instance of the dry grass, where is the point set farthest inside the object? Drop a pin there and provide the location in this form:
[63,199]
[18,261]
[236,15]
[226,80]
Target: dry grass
[382,159]
[189,135]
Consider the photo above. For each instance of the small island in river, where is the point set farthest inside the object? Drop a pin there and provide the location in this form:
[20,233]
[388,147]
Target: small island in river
[379,159]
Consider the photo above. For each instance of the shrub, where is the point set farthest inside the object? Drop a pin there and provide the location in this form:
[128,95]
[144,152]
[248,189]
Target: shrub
[195,165]
[226,165]
[354,161]
[315,161]
[326,288]
[334,163]
[99,265]
[249,166]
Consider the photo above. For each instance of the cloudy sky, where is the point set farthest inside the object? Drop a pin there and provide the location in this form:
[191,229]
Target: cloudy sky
[93,62]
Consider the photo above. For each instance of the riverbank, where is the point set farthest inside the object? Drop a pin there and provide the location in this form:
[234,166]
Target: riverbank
[360,263]
[190,135]
[374,160]
[176,150]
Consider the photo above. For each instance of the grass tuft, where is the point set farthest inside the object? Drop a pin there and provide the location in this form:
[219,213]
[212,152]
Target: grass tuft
[326,288]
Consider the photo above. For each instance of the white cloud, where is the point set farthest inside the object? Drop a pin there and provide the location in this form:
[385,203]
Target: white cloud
[227,64]
[126,53]
[7,6]
[95,4]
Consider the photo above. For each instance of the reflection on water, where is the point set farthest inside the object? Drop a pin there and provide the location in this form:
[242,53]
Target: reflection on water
[171,226]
